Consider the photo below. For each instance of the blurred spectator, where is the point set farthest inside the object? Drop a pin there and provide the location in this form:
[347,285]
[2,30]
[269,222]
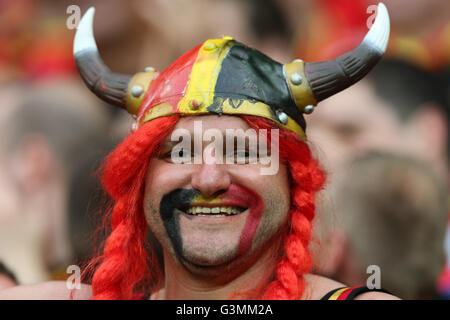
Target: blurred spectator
[36,43]
[174,27]
[33,45]
[42,140]
[392,214]
[87,201]
[404,109]
[420,30]
[269,27]
[330,28]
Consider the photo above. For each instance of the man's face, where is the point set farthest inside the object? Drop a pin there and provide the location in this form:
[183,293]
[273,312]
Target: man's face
[351,123]
[211,215]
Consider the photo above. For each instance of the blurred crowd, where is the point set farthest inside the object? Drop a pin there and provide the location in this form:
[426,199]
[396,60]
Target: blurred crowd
[383,143]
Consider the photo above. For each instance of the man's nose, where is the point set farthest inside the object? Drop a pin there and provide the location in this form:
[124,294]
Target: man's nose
[210,179]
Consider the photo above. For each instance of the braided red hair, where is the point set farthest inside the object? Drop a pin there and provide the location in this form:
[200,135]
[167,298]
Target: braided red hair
[125,264]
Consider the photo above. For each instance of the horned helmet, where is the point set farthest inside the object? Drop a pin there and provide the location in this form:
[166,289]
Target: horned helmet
[224,76]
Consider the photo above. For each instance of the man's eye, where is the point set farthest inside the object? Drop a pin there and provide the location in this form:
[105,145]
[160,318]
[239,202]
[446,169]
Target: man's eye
[238,154]
[177,155]
[244,156]
[242,153]
[165,154]
[171,154]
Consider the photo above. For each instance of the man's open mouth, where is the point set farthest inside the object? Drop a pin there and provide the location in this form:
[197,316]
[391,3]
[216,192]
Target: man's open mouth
[217,211]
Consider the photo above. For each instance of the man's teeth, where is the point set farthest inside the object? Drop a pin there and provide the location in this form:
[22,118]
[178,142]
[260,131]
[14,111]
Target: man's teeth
[217,211]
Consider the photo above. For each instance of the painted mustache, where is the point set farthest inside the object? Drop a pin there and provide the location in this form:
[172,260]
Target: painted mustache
[235,200]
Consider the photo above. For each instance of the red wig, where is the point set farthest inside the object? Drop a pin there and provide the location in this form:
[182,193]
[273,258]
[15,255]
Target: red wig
[126,265]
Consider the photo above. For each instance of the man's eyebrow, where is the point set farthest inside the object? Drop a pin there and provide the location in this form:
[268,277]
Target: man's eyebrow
[169,144]
[235,137]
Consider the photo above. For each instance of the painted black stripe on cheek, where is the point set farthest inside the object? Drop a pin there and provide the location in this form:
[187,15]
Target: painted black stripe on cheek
[175,199]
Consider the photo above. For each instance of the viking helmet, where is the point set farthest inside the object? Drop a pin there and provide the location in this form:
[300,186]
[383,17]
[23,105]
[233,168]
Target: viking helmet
[223,76]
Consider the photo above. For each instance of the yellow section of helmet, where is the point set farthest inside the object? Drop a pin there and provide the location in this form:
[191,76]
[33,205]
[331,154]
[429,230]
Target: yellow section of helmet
[203,78]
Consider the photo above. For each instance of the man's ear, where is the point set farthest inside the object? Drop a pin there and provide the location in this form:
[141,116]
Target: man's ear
[428,128]
[36,163]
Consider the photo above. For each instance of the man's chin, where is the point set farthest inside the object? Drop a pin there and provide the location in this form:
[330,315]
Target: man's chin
[209,261]
[211,266]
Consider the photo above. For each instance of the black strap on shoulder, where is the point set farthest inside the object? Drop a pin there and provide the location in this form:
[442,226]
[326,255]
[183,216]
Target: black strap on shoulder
[329,294]
[351,293]
[360,290]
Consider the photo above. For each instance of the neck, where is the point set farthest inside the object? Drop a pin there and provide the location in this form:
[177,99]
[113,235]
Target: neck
[180,284]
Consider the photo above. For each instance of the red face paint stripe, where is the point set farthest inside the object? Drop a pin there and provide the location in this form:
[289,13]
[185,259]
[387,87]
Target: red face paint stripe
[255,205]
[251,225]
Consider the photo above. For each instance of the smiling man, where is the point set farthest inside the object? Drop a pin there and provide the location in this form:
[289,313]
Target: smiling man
[225,229]
[215,220]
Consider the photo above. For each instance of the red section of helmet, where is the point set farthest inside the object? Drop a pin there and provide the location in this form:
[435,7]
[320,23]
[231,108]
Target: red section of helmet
[170,85]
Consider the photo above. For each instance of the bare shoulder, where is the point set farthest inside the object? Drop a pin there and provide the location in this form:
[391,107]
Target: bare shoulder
[376,296]
[52,290]
[318,286]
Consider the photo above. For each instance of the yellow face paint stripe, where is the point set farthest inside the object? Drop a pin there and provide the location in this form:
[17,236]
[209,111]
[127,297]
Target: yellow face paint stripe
[200,199]
[204,75]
